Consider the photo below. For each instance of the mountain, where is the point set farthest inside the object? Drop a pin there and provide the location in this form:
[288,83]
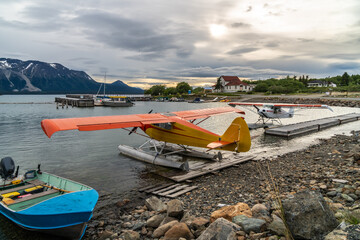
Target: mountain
[18,76]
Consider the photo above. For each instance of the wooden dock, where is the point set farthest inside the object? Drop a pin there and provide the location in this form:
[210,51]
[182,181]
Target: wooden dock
[202,168]
[312,126]
[169,190]
[85,100]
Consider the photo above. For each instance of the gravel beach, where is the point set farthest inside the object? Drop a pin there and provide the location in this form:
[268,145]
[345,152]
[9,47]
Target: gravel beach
[318,167]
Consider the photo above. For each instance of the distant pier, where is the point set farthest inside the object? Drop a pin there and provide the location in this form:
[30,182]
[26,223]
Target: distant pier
[87,100]
[312,126]
[76,100]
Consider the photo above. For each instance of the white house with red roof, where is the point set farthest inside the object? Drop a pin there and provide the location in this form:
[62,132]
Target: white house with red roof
[232,84]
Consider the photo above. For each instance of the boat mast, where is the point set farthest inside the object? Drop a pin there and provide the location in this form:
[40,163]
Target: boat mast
[104,83]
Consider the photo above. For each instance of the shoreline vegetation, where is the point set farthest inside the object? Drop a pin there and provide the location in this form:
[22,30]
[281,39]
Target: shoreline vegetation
[287,85]
[266,199]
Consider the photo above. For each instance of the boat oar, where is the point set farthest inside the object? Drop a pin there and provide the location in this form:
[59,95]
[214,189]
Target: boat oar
[59,189]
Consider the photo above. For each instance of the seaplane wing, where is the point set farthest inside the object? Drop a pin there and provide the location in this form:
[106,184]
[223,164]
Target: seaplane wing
[204,113]
[50,126]
[282,105]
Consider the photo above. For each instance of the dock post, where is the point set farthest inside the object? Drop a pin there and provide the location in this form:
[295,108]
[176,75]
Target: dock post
[67,104]
[57,105]
[62,104]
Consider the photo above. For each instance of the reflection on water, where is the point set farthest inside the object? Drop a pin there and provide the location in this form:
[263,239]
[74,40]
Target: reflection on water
[92,158]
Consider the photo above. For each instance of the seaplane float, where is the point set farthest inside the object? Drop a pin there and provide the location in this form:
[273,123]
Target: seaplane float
[173,127]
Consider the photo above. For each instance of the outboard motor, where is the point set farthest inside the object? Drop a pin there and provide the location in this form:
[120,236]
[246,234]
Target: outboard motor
[7,167]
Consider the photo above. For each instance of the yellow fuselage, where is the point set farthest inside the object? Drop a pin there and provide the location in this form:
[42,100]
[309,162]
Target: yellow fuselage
[184,133]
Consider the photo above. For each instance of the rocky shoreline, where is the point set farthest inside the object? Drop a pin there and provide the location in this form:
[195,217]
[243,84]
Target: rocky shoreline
[330,168]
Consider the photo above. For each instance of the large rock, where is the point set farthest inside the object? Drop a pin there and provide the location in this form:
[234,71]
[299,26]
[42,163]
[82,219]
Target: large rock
[261,211]
[160,231]
[175,208]
[187,218]
[277,226]
[228,212]
[199,223]
[179,230]
[155,204]
[351,232]
[308,215]
[131,235]
[250,224]
[168,219]
[221,229]
[155,221]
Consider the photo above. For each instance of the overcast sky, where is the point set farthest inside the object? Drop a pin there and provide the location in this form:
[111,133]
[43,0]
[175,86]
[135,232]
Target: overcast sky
[144,42]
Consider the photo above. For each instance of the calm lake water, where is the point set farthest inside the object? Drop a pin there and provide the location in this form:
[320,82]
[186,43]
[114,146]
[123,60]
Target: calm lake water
[92,158]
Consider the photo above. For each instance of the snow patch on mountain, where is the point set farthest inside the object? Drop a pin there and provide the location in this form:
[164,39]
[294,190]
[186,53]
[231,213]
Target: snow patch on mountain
[5,64]
[28,87]
[7,74]
[29,66]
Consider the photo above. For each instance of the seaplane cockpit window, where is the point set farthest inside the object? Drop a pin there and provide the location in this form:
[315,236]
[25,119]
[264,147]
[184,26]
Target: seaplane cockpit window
[269,106]
[167,126]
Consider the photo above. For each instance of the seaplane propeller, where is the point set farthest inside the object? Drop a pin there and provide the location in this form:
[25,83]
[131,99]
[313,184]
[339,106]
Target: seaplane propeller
[135,128]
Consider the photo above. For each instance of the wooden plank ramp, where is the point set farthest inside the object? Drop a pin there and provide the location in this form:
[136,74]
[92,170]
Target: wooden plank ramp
[197,170]
[169,190]
[312,126]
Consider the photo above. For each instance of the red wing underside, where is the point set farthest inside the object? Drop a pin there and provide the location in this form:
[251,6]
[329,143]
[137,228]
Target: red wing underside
[50,126]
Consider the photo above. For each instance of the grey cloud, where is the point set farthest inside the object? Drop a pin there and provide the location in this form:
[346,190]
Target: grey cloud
[214,72]
[240,25]
[305,40]
[185,52]
[154,56]
[272,44]
[242,50]
[349,56]
[120,32]
[42,13]
[44,26]
[249,9]
[274,13]
[345,66]
[293,66]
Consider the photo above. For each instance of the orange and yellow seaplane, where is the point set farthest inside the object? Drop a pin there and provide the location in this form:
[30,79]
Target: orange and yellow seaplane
[173,127]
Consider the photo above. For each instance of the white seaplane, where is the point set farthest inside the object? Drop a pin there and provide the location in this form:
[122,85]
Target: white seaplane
[274,111]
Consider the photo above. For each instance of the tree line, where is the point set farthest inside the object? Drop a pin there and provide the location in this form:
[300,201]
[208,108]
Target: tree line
[180,89]
[300,84]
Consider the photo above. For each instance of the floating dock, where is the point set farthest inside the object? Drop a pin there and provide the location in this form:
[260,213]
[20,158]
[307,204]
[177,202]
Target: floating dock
[312,126]
[202,168]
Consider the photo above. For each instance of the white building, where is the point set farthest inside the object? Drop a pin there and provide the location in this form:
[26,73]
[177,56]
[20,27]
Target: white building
[318,83]
[232,84]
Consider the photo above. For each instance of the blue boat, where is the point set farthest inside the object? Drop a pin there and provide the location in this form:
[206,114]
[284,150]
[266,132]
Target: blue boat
[43,202]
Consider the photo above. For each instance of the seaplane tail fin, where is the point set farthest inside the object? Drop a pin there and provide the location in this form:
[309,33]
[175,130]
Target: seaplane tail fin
[238,132]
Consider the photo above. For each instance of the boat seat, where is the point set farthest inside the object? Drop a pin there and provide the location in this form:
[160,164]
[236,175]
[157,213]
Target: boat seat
[15,189]
[10,194]
[32,183]
[36,195]
[33,189]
